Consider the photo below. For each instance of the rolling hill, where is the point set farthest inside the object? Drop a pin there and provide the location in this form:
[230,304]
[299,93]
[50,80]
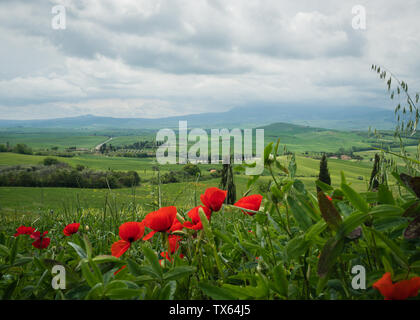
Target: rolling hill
[349,118]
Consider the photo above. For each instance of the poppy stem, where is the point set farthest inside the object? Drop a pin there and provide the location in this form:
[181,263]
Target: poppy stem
[283,224]
[167,244]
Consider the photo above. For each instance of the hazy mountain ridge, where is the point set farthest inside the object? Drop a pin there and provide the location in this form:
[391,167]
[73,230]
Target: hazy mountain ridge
[353,118]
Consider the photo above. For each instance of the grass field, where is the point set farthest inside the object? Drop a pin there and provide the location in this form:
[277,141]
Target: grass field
[44,140]
[146,195]
[306,139]
[300,139]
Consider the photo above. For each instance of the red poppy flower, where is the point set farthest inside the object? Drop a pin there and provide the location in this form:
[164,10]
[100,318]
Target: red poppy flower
[173,243]
[400,290]
[195,222]
[213,198]
[252,202]
[160,220]
[41,242]
[129,232]
[176,226]
[24,230]
[70,229]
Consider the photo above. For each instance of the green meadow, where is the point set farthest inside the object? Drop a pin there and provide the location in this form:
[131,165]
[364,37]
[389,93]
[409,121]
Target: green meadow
[306,142]
[146,195]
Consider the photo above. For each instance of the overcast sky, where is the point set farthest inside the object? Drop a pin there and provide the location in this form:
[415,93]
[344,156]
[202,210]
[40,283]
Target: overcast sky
[154,58]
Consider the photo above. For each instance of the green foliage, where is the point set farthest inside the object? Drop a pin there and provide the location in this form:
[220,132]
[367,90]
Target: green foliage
[299,245]
[50,161]
[56,174]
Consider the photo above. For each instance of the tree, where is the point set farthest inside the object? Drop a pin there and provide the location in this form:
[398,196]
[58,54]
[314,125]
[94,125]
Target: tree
[191,169]
[102,149]
[324,175]
[50,161]
[373,182]
[22,149]
[227,182]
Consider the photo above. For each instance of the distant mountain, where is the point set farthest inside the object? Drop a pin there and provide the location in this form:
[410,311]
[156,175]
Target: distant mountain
[349,118]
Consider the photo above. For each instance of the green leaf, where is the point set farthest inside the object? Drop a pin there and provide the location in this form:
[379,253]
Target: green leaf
[13,252]
[281,167]
[88,246]
[351,223]
[280,280]
[10,289]
[237,291]
[267,151]
[88,275]
[107,259]
[329,255]
[168,291]
[297,247]
[224,237]
[303,220]
[215,292]
[329,212]
[355,199]
[276,148]
[96,292]
[309,207]
[22,261]
[178,272]
[96,272]
[343,178]
[385,195]
[315,230]
[135,269]
[396,251]
[4,251]
[79,250]
[274,223]
[115,284]
[240,292]
[299,186]
[323,186]
[292,166]
[386,210]
[153,260]
[322,282]
[387,265]
[141,271]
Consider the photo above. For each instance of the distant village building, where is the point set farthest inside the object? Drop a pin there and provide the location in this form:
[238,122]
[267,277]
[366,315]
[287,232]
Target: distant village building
[345,157]
[333,157]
